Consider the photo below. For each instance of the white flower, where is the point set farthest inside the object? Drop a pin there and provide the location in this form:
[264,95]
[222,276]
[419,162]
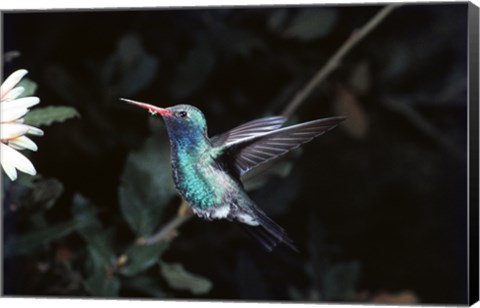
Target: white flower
[12,130]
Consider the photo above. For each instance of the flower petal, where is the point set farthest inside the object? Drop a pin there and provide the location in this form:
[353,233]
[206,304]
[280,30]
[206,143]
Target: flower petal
[10,157]
[13,130]
[7,164]
[22,143]
[11,82]
[12,114]
[34,131]
[24,102]
[13,94]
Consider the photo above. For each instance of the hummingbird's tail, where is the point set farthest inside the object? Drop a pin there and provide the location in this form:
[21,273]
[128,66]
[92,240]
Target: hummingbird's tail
[268,233]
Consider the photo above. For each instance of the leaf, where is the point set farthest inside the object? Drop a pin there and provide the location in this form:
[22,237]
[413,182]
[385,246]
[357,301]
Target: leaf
[140,257]
[275,175]
[29,86]
[146,185]
[236,41]
[277,19]
[261,175]
[296,295]
[286,189]
[346,104]
[66,86]
[340,281]
[194,71]
[130,69]
[92,231]
[84,213]
[101,280]
[360,81]
[102,285]
[47,115]
[250,280]
[145,284]
[34,193]
[178,278]
[46,192]
[312,23]
[26,243]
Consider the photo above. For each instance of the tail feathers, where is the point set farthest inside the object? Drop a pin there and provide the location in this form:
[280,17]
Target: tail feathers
[268,233]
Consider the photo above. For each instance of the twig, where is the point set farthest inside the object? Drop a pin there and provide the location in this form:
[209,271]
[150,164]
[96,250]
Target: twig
[334,61]
[423,126]
[164,233]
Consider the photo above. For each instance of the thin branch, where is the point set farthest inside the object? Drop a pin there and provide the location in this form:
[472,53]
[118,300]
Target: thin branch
[165,232]
[417,121]
[335,60]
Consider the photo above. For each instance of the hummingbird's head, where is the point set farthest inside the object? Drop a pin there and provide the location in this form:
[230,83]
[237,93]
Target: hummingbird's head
[182,121]
[186,119]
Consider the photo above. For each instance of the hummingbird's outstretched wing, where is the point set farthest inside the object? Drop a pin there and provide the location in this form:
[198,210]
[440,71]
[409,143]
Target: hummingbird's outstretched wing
[248,130]
[248,153]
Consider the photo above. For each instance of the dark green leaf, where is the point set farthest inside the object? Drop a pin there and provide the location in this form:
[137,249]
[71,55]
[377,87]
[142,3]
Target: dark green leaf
[85,214]
[251,283]
[144,284]
[295,294]
[340,281]
[48,115]
[66,86]
[45,192]
[277,19]
[194,71]
[146,186]
[299,296]
[130,69]
[279,176]
[92,231]
[103,285]
[179,278]
[237,41]
[35,193]
[310,24]
[101,251]
[26,179]
[25,244]
[259,176]
[29,86]
[286,191]
[141,257]
[101,280]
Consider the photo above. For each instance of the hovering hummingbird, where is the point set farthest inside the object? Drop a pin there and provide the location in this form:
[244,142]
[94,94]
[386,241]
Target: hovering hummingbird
[207,171]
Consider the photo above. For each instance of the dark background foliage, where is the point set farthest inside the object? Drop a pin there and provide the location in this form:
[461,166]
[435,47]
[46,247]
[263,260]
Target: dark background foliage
[377,206]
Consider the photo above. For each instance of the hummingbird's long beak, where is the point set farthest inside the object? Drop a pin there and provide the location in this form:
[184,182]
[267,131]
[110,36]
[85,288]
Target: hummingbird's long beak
[152,109]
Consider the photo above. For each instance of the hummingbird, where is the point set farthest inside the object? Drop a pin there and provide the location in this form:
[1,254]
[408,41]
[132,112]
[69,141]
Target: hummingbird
[207,171]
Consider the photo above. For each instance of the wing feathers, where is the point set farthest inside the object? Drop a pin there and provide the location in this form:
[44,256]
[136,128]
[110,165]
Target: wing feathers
[256,150]
[248,130]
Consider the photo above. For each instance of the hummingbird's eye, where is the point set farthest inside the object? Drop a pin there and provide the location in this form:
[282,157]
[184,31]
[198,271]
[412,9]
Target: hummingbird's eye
[182,114]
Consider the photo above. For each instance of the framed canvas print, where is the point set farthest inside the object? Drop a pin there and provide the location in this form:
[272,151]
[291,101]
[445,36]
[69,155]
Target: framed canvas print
[312,153]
